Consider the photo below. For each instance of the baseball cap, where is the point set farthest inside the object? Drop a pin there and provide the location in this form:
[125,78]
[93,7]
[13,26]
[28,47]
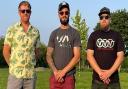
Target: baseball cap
[62,5]
[104,10]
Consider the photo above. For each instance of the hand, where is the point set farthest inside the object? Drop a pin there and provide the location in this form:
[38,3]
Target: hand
[60,76]
[104,75]
[107,81]
[55,74]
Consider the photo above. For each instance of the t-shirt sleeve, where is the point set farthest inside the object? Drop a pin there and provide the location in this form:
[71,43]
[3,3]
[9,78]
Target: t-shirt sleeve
[38,44]
[90,44]
[9,37]
[51,40]
[77,40]
[120,43]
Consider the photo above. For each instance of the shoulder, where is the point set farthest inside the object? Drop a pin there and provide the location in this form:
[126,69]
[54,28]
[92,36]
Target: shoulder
[13,27]
[55,31]
[73,30]
[115,33]
[35,29]
[95,32]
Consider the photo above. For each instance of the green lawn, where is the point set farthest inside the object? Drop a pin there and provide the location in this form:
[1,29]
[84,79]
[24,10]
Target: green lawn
[83,79]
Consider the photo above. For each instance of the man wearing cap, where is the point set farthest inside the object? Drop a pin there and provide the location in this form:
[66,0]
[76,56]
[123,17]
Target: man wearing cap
[63,51]
[105,52]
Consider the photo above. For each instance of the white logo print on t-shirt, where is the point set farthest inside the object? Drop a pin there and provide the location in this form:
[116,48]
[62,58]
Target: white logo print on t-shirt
[105,43]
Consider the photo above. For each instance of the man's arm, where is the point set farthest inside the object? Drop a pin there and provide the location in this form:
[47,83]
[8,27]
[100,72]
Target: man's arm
[50,59]
[117,63]
[71,64]
[94,65]
[92,61]
[6,53]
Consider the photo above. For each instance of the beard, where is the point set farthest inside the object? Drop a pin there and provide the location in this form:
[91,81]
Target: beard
[105,29]
[64,22]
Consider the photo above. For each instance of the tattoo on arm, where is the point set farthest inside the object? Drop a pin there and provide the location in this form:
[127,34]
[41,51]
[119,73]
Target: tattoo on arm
[50,59]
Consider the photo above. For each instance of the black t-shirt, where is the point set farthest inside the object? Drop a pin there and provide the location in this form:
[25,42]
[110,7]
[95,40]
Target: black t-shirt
[63,42]
[105,46]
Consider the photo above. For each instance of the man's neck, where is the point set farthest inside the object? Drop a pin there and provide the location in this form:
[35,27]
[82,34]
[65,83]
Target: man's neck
[106,29]
[25,26]
[64,26]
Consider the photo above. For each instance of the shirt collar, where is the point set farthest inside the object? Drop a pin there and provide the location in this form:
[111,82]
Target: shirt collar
[19,24]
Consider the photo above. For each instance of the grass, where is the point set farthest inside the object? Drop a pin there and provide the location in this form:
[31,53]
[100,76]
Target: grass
[83,79]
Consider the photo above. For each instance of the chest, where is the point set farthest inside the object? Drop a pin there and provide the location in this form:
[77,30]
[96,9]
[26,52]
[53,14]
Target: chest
[21,38]
[105,41]
[64,39]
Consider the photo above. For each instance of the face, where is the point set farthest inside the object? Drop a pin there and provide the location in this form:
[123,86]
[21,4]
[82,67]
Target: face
[64,16]
[24,13]
[104,20]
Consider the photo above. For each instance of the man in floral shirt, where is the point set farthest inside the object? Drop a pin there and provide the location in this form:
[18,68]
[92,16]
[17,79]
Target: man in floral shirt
[21,49]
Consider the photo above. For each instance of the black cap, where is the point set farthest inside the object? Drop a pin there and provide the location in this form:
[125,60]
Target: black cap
[62,5]
[104,10]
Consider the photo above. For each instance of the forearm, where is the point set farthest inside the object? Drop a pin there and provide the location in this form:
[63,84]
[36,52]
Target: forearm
[74,60]
[7,59]
[6,53]
[50,63]
[94,64]
[117,63]
[92,61]
[50,59]
[71,64]
[6,56]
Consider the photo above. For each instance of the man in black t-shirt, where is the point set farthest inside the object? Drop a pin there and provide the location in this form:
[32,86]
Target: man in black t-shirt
[63,51]
[105,52]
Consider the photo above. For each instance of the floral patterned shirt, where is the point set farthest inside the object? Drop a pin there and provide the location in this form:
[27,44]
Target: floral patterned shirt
[23,45]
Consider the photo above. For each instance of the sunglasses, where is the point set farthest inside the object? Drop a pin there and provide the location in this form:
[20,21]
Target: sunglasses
[106,17]
[62,12]
[25,11]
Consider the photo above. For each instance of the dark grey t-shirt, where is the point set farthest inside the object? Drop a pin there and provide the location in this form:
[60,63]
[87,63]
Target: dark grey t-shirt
[63,41]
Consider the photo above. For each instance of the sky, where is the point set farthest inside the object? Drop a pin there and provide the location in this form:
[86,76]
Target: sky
[45,17]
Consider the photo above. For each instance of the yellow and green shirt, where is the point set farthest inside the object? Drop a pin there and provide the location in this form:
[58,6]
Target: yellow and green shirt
[23,45]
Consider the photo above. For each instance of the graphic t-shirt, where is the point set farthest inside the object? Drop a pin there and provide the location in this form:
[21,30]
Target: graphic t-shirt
[105,46]
[63,41]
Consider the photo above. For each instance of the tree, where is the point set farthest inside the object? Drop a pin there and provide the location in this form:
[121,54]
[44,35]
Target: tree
[81,26]
[119,23]
[42,59]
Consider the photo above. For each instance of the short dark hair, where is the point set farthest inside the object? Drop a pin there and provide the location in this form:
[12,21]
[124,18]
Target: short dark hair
[24,3]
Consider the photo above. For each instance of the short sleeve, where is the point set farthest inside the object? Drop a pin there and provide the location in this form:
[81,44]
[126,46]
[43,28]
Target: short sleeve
[90,44]
[77,40]
[9,37]
[38,44]
[51,40]
[120,44]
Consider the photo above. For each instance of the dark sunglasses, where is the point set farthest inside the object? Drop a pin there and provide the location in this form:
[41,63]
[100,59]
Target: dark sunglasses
[25,11]
[62,12]
[106,17]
